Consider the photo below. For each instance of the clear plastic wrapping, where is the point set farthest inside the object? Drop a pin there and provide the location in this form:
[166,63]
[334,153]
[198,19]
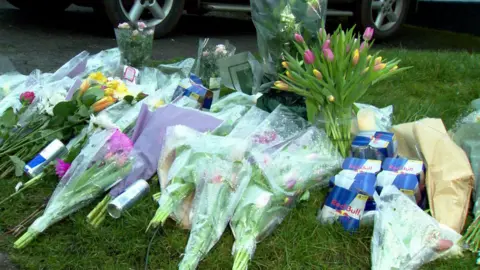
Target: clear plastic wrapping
[219,188]
[9,82]
[404,236]
[104,161]
[233,99]
[248,123]
[209,51]
[280,176]
[184,150]
[230,119]
[383,116]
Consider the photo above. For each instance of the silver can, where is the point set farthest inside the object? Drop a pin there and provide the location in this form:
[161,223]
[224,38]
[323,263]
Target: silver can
[53,150]
[128,198]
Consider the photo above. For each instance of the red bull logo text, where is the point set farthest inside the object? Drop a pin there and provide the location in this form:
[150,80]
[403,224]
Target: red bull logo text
[344,209]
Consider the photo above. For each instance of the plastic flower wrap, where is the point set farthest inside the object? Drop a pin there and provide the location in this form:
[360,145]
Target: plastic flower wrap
[231,117]
[280,177]
[405,237]
[104,161]
[248,123]
[9,82]
[233,99]
[218,191]
[178,170]
[208,54]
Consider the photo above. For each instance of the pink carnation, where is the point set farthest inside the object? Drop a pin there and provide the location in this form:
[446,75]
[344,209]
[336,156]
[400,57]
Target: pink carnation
[119,142]
[61,168]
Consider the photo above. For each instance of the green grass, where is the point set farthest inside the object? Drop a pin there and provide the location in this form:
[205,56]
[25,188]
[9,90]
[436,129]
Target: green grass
[441,84]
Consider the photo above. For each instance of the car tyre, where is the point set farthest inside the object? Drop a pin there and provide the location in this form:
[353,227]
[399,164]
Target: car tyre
[367,14]
[116,14]
[37,6]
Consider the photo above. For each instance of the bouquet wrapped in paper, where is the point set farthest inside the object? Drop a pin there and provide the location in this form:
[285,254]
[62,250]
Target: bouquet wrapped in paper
[405,237]
[219,187]
[280,177]
[178,169]
[103,162]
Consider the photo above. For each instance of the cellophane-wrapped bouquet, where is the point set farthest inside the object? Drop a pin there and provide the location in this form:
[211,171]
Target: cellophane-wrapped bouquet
[405,237]
[135,41]
[104,161]
[280,177]
[219,188]
[184,149]
[208,54]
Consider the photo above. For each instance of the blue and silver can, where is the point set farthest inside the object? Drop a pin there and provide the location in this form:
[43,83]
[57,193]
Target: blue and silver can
[54,150]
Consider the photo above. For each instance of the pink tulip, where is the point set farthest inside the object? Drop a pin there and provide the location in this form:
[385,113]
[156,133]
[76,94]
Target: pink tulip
[299,38]
[363,45]
[309,57]
[328,54]
[326,44]
[368,34]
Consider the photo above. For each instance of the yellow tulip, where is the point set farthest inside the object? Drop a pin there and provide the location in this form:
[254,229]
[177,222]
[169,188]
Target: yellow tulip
[369,57]
[289,75]
[356,57]
[103,103]
[379,67]
[284,64]
[378,60]
[317,74]
[365,70]
[109,92]
[281,85]
[98,76]
[331,98]
[394,68]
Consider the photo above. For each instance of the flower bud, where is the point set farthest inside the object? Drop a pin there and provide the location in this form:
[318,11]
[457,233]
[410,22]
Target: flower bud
[27,97]
[103,103]
[299,38]
[284,64]
[309,57]
[331,98]
[281,85]
[378,60]
[317,74]
[328,54]
[356,57]
[379,67]
[289,75]
[394,68]
[326,44]
[368,34]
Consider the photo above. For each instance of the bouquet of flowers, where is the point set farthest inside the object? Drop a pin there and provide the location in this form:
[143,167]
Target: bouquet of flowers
[135,41]
[280,177]
[405,237]
[104,161]
[206,66]
[184,150]
[218,191]
[335,72]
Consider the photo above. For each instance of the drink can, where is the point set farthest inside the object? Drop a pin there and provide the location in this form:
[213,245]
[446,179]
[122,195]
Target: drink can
[128,198]
[54,150]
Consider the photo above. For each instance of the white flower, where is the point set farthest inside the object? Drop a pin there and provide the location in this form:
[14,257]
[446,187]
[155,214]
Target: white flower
[102,120]
[47,103]
[220,49]
[141,26]
[124,26]
[135,32]
[205,53]
[263,200]
[150,32]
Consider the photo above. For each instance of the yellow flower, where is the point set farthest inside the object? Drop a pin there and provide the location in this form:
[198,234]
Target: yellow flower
[356,57]
[121,91]
[103,103]
[379,67]
[369,57]
[394,68]
[289,75]
[159,103]
[378,60]
[109,92]
[365,70]
[284,64]
[317,74]
[281,85]
[331,98]
[113,84]
[98,76]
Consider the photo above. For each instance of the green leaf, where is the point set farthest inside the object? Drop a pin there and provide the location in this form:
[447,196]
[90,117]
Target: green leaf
[312,110]
[305,196]
[92,95]
[88,100]
[75,151]
[84,111]
[19,165]
[65,109]
[128,99]
[9,118]
[140,96]
[74,119]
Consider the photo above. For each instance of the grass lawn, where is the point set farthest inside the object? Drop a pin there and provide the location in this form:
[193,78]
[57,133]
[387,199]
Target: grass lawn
[441,84]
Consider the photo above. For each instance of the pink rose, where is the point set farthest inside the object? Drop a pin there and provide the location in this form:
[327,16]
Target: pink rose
[27,97]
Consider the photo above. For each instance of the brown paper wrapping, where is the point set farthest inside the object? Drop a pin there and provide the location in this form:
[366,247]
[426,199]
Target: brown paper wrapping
[449,177]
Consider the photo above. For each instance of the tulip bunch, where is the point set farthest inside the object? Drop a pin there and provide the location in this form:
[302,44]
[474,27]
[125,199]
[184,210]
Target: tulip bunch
[334,74]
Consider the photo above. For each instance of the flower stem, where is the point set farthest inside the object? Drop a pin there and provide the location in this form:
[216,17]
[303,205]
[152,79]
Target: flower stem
[28,184]
[97,215]
[241,260]
[25,239]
